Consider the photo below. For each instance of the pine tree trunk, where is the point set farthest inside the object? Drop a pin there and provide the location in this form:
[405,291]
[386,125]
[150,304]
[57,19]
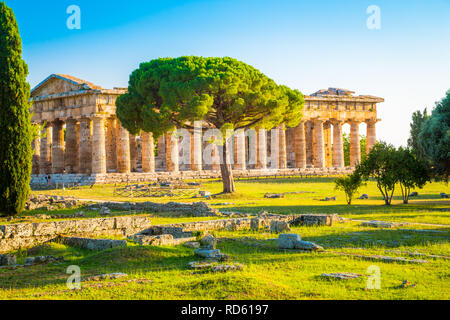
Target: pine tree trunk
[227,172]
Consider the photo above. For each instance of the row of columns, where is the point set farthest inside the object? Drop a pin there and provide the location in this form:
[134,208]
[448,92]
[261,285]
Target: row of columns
[99,145]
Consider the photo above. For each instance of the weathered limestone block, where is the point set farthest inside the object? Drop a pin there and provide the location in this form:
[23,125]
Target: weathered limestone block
[287,241]
[316,220]
[277,226]
[157,240]
[208,242]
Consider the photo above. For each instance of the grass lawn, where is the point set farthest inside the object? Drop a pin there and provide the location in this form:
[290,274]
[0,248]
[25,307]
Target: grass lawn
[162,272]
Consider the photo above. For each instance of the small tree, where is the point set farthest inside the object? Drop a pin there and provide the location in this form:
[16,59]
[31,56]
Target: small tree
[418,119]
[411,172]
[224,93]
[16,131]
[350,185]
[380,164]
[434,138]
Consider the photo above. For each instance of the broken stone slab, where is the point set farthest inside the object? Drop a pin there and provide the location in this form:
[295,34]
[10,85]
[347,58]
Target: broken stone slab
[200,265]
[108,276]
[287,241]
[208,253]
[42,260]
[7,260]
[227,267]
[274,195]
[381,224]
[93,244]
[277,226]
[192,244]
[341,275]
[158,240]
[307,246]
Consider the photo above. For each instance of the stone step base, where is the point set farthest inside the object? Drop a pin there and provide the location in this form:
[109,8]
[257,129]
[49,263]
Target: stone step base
[112,178]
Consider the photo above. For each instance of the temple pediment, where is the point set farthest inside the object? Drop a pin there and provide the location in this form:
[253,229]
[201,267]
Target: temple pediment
[59,83]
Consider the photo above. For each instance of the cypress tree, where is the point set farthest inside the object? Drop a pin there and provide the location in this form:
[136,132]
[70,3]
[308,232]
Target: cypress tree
[16,131]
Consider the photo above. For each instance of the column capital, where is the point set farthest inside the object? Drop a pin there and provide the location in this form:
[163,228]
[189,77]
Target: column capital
[372,121]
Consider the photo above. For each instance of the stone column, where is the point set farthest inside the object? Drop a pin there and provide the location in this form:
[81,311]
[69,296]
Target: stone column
[240,163]
[172,153]
[215,157]
[282,163]
[71,158]
[98,146]
[148,152]
[36,155]
[327,144]
[300,146]
[85,147]
[371,135]
[123,149]
[58,147]
[355,148]
[111,145]
[261,154]
[45,161]
[196,149]
[319,144]
[338,145]
[309,133]
[133,153]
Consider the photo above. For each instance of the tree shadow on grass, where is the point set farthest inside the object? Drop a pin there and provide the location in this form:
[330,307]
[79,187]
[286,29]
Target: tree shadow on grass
[129,260]
[338,208]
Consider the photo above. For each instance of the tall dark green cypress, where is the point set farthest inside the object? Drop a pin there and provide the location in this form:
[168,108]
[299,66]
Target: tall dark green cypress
[15,122]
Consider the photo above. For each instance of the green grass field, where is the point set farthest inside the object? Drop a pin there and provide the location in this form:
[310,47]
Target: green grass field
[162,272]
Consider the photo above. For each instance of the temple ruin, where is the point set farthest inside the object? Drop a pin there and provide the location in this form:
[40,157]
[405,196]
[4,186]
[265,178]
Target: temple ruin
[82,140]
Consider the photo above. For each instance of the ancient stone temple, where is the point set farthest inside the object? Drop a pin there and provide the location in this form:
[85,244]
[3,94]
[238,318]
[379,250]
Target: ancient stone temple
[82,141]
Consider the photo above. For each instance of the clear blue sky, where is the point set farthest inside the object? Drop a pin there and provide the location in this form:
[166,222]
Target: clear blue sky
[308,45]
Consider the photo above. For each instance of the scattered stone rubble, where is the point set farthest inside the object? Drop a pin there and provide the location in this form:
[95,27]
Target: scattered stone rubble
[51,202]
[42,260]
[108,276]
[7,260]
[212,257]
